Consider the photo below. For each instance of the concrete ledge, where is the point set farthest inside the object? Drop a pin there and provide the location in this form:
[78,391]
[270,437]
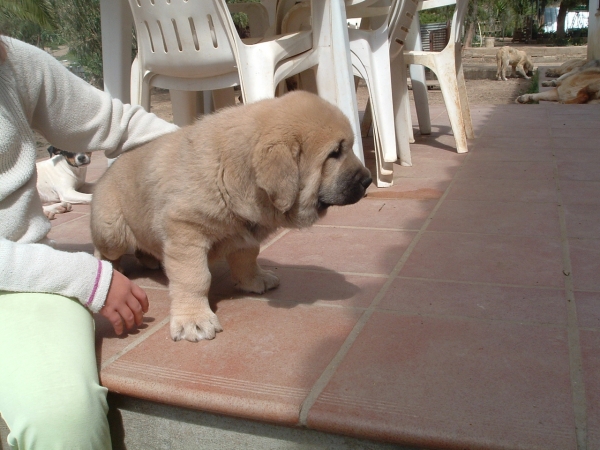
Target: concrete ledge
[139,424]
[537,53]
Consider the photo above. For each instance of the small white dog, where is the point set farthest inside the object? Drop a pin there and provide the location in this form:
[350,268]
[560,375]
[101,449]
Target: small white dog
[61,179]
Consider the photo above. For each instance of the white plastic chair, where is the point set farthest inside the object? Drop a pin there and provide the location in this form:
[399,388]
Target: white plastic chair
[189,46]
[370,56]
[371,46]
[183,46]
[447,65]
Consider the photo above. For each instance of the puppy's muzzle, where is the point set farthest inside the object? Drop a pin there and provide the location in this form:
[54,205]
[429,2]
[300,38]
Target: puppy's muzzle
[348,190]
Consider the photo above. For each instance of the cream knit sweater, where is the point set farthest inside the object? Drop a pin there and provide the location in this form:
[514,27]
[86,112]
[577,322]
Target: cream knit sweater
[37,92]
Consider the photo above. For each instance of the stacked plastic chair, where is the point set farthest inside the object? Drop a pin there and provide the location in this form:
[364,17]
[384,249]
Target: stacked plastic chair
[190,46]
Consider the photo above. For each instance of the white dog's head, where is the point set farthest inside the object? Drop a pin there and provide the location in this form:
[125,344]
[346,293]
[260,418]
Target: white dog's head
[79,159]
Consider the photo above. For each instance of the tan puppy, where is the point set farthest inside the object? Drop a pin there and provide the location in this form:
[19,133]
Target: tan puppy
[519,61]
[218,188]
[580,87]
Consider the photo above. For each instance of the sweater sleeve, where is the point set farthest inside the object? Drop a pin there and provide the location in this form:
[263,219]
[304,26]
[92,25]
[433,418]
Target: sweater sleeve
[75,116]
[26,268]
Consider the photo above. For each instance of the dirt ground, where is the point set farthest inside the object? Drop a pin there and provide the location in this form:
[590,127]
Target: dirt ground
[480,92]
[488,92]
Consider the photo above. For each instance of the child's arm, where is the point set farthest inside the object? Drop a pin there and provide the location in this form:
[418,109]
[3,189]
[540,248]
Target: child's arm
[40,268]
[74,115]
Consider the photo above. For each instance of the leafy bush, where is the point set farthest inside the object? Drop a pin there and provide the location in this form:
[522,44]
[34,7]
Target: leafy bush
[79,25]
[573,36]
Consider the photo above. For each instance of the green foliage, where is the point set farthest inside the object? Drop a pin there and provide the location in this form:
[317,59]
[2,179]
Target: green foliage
[32,21]
[49,23]
[534,85]
[492,11]
[522,9]
[79,24]
[573,36]
[39,12]
[436,15]
[240,20]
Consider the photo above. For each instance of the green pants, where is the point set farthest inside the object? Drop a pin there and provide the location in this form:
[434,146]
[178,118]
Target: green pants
[50,396]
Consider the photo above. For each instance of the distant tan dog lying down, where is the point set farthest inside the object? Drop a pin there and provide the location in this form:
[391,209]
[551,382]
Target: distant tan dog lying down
[565,67]
[579,87]
[218,188]
[574,69]
[517,59]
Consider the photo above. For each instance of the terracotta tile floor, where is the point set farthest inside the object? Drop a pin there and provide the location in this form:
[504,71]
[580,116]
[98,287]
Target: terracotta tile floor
[459,308]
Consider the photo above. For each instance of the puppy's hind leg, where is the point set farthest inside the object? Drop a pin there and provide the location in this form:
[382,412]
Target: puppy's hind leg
[247,274]
[111,235]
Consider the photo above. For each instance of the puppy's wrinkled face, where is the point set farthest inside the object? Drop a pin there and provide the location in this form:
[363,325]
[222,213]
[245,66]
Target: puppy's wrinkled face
[344,179]
[79,159]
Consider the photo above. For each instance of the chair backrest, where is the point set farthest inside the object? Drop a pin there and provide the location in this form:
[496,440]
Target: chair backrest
[400,19]
[180,37]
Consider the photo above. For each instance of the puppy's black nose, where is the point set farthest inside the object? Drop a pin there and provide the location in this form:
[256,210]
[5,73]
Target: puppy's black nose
[366,182]
[81,158]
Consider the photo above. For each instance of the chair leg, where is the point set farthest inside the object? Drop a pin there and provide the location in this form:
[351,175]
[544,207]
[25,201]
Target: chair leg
[335,79]
[384,171]
[450,92]
[204,103]
[367,121]
[135,93]
[419,88]
[184,107]
[223,98]
[464,99]
[417,76]
[401,110]
[409,122]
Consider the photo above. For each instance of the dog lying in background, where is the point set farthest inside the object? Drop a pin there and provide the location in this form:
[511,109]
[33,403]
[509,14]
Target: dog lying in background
[581,86]
[218,188]
[582,64]
[61,179]
[519,61]
[565,67]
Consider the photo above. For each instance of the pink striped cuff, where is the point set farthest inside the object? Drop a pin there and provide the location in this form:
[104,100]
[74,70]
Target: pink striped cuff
[98,275]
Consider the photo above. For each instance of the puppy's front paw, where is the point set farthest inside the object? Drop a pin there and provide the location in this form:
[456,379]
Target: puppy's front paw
[195,327]
[524,99]
[260,283]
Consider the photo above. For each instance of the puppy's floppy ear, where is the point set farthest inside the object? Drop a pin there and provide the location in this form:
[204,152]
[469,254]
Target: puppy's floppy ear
[53,151]
[277,173]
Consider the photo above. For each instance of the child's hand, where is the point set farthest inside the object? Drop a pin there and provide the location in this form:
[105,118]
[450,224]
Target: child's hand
[125,302]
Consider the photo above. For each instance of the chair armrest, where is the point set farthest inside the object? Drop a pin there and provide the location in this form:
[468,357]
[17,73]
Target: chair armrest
[430,4]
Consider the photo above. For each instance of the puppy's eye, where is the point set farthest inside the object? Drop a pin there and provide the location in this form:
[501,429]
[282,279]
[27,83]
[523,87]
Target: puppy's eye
[335,154]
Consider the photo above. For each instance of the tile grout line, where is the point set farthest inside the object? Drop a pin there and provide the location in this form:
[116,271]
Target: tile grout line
[333,365]
[135,343]
[575,357]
